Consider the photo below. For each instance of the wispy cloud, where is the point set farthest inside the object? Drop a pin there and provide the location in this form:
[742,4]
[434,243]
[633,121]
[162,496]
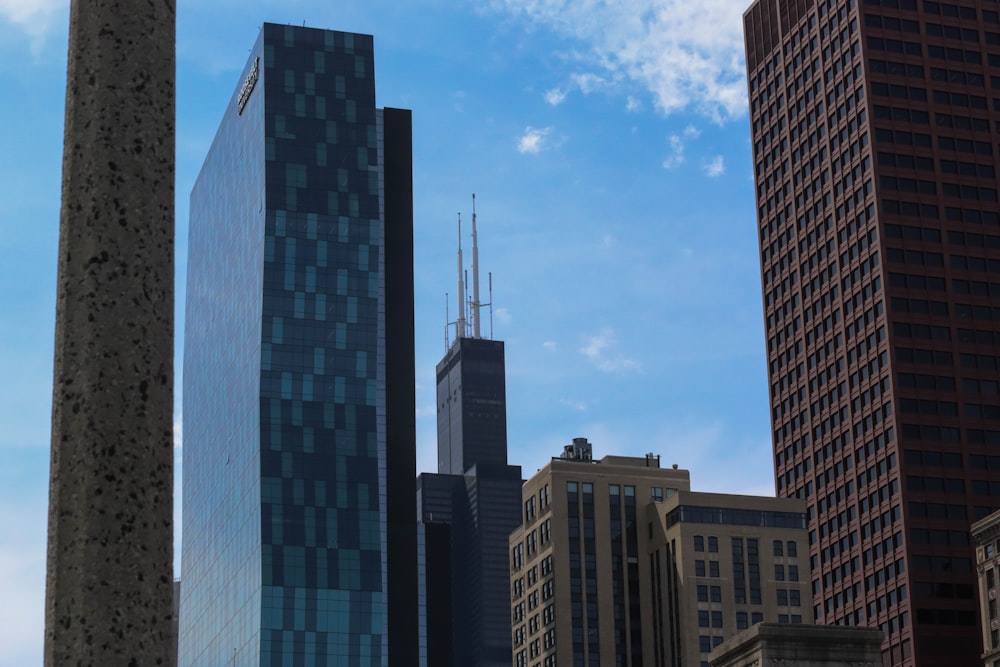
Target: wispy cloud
[33,17]
[688,55]
[602,351]
[675,146]
[534,140]
[589,82]
[555,97]
[633,104]
[573,404]
[550,345]
[502,315]
[714,167]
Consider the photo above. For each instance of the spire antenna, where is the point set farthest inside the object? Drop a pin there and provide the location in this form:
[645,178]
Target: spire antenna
[460,322]
[475,274]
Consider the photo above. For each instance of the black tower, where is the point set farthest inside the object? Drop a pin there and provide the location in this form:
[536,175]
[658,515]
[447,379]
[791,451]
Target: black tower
[468,510]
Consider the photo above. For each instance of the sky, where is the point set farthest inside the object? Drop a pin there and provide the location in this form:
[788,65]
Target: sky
[607,143]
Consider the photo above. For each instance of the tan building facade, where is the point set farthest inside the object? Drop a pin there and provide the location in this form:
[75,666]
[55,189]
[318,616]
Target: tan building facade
[986,537]
[579,570]
[616,564]
[722,563]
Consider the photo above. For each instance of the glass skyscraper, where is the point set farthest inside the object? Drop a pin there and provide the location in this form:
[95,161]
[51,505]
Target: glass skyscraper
[299,543]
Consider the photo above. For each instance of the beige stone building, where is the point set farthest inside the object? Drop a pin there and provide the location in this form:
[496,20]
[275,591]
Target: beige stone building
[721,564]
[986,537]
[801,646]
[618,562]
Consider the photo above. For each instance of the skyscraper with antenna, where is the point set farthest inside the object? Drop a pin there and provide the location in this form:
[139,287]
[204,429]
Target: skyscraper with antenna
[471,505]
[471,383]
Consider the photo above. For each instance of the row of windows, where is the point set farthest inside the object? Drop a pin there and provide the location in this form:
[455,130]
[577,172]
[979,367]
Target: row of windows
[917,162]
[713,543]
[713,568]
[904,138]
[788,597]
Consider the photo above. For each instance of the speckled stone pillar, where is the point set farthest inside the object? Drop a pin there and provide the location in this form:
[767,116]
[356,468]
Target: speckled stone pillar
[110,551]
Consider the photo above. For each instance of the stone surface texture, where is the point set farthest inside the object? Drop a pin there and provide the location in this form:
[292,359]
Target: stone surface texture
[110,544]
[784,645]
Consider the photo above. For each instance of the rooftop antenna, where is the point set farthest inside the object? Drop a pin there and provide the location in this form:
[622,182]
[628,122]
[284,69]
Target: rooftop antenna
[460,322]
[446,322]
[475,273]
[490,304]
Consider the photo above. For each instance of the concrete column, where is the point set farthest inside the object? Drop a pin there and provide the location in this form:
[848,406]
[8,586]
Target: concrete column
[110,550]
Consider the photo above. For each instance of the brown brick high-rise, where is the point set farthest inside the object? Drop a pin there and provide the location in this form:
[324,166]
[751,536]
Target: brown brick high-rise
[876,127]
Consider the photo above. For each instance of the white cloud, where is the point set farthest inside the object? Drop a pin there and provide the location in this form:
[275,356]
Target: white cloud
[633,104]
[550,345]
[714,167]
[688,55]
[676,143]
[534,140]
[555,97]
[502,315]
[578,406]
[33,17]
[602,351]
[589,82]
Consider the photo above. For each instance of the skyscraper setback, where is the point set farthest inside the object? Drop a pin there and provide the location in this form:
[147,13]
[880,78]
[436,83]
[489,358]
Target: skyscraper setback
[299,543]
[875,132]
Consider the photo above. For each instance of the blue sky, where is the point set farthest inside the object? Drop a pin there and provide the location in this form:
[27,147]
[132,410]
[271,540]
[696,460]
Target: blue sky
[607,144]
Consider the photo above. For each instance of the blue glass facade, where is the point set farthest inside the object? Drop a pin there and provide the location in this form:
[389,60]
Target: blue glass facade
[297,421]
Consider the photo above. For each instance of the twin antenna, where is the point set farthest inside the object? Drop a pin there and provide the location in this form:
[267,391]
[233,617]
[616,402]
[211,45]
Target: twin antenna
[468,323]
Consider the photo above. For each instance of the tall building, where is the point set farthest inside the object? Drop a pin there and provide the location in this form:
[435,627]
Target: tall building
[299,544]
[986,539]
[720,564]
[468,509]
[875,130]
[618,562]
